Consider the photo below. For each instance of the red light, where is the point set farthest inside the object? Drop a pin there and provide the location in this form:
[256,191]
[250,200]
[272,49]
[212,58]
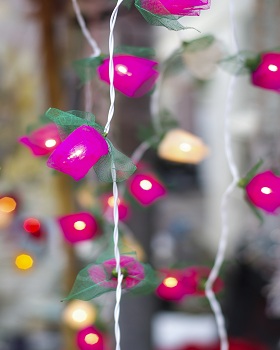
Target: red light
[31,225]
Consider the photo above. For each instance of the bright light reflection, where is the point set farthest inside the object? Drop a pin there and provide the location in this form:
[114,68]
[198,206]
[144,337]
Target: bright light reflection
[266,190]
[79,225]
[170,282]
[273,68]
[185,147]
[111,201]
[91,338]
[123,70]
[146,185]
[7,204]
[50,143]
[77,152]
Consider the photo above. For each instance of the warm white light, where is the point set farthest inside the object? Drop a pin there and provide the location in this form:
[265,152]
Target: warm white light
[50,143]
[266,190]
[79,225]
[185,147]
[79,315]
[111,201]
[146,185]
[91,338]
[77,152]
[273,68]
[122,70]
[170,282]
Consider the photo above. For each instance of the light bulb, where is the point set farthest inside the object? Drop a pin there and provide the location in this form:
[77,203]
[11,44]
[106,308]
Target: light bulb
[80,225]
[146,185]
[50,143]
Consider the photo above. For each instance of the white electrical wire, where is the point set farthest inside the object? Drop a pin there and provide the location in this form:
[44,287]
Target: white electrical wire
[224,222]
[111,66]
[95,48]
[115,187]
[220,320]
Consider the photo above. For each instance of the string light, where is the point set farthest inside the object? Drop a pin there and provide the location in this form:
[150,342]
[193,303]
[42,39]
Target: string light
[24,262]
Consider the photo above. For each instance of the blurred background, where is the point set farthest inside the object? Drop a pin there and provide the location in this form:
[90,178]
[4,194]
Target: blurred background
[39,42]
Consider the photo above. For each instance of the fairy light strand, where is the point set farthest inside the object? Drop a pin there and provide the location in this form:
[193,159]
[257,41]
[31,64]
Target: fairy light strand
[113,170]
[111,66]
[95,48]
[220,320]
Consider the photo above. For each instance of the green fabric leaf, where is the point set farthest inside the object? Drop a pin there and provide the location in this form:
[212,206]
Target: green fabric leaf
[135,51]
[243,182]
[169,21]
[68,121]
[86,67]
[255,211]
[122,164]
[85,289]
[198,44]
[243,63]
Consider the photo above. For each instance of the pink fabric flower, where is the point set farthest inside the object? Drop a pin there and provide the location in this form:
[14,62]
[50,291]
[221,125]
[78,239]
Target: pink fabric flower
[176,7]
[267,75]
[194,280]
[264,191]
[105,274]
[79,152]
[108,205]
[43,140]
[90,338]
[178,284]
[78,227]
[134,76]
[172,288]
[146,188]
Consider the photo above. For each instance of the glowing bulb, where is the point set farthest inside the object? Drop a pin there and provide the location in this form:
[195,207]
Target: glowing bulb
[91,338]
[111,201]
[146,185]
[185,147]
[24,262]
[122,70]
[170,282]
[79,315]
[50,143]
[31,225]
[266,190]
[273,68]
[80,225]
[7,204]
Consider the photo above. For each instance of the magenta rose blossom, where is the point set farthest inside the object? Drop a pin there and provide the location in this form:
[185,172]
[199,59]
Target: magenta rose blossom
[176,7]
[263,191]
[78,227]
[172,288]
[105,274]
[267,74]
[134,76]
[90,338]
[195,278]
[79,152]
[43,140]
[178,284]
[146,188]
